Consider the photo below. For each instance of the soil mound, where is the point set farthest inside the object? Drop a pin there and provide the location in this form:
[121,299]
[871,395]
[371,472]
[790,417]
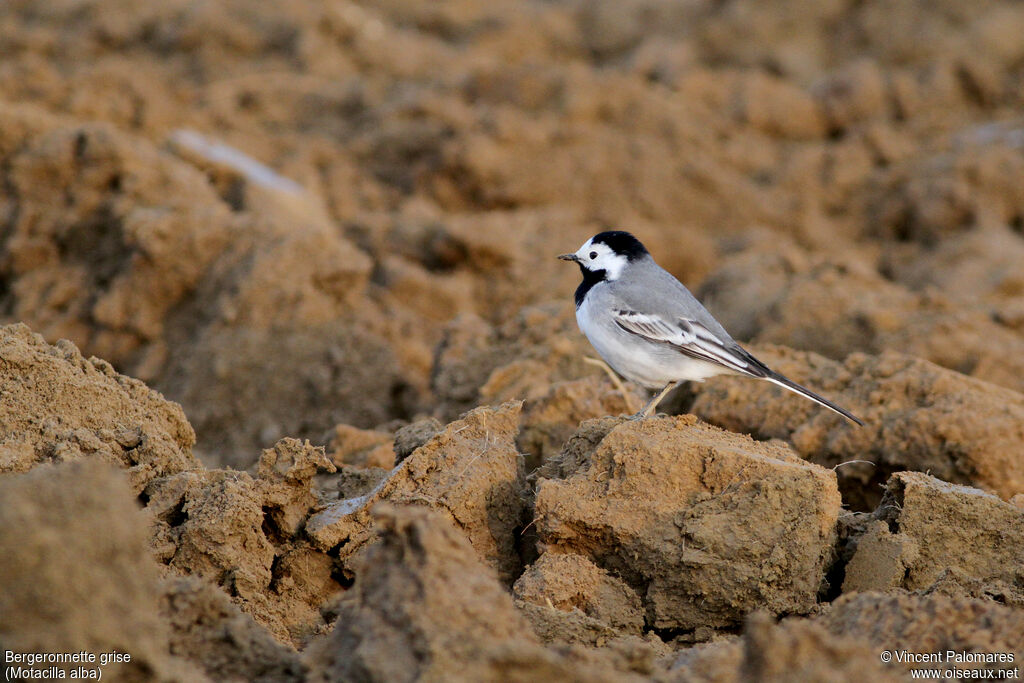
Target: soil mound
[666,505]
[471,470]
[929,533]
[918,417]
[57,406]
[90,569]
[428,609]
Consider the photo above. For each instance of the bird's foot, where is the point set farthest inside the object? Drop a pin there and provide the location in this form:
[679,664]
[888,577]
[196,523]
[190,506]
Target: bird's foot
[653,403]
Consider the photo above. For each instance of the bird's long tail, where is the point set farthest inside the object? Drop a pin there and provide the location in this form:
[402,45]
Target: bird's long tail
[776,378]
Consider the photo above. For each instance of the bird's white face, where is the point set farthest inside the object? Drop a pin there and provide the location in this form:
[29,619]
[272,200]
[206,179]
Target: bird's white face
[599,256]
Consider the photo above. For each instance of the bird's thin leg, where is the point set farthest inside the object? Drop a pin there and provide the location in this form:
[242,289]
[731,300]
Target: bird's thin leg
[626,396]
[652,404]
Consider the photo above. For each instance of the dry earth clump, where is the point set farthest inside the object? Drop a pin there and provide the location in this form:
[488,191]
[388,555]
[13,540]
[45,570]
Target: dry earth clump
[245,534]
[78,574]
[428,608]
[928,624]
[666,505]
[58,406]
[918,417]
[471,470]
[930,533]
[221,640]
[572,582]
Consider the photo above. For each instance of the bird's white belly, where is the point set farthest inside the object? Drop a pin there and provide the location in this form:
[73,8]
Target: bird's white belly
[648,364]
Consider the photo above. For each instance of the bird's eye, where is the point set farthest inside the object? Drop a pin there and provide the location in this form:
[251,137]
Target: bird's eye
[593,255]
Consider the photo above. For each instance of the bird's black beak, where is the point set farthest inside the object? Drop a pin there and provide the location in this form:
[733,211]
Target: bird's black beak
[569,257]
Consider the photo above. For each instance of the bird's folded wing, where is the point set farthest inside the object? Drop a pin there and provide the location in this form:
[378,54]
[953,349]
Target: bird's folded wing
[688,337]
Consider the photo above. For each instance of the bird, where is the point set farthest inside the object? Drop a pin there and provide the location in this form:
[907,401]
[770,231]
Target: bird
[651,330]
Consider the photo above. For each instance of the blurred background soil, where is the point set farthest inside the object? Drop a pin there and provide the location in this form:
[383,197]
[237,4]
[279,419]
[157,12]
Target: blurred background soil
[334,225]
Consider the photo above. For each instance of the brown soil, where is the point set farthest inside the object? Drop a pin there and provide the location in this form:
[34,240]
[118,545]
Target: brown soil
[77,571]
[665,504]
[928,528]
[60,407]
[325,232]
[918,416]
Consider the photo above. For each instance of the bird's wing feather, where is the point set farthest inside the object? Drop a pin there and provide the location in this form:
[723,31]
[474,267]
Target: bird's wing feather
[691,338]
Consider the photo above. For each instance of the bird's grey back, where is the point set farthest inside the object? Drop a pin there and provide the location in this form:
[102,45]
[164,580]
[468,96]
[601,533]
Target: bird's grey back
[646,287]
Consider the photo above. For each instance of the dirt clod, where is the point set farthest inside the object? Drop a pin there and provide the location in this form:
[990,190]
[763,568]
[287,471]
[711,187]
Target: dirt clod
[918,416]
[666,505]
[471,470]
[58,406]
[91,567]
[425,605]
[573,582]
[928,528]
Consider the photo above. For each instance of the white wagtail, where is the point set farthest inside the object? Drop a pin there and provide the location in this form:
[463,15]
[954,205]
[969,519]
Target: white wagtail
[650,329]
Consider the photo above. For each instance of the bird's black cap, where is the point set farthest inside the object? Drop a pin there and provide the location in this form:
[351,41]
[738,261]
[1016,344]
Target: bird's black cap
[621,242]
